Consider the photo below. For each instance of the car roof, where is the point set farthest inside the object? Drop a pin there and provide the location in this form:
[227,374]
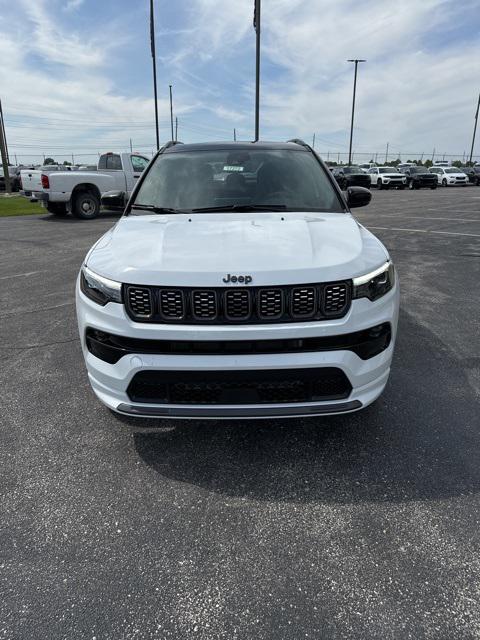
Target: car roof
[241,146]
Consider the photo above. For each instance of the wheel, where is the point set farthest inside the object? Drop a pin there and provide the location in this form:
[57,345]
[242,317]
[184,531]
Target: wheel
[444,182]
[433,187]
[86,205]
[411,186]
[379,184]
[401,187]
[478,182]
[57,208]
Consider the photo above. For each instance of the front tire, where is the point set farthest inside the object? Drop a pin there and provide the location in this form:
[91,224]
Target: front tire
[444,182]
[379,184]
[433,187]
[411,186]
[86,205]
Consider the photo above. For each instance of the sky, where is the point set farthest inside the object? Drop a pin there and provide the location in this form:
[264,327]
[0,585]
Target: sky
[76,76]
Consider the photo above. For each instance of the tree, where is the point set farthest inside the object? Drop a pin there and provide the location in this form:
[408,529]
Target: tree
[49,161]
[66,163]
[428,163]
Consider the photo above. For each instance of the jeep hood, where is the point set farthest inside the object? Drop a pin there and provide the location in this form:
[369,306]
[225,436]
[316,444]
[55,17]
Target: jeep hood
[201,249]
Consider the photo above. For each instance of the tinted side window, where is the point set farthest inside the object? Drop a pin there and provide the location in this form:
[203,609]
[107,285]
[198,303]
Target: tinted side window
[114,162]
[102,162]
[139,163]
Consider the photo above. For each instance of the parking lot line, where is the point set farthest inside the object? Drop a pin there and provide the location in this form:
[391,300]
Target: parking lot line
[434,218]
[448,233]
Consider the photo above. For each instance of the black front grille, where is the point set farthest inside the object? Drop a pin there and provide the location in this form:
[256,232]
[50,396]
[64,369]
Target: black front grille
[239,387]
[270,303]
[336,298]
[204,305]
[140,301]
[229,305]
[237,304]
[172,304]
[303,302]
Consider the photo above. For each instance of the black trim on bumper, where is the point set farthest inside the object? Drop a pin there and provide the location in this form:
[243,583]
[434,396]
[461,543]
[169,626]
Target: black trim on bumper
[258,411]
[365,344]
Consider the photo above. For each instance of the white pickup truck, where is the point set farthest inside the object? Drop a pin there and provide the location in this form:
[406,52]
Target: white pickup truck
[80,192]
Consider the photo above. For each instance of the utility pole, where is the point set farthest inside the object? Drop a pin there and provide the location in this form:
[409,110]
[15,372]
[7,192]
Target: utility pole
[176,128]
[256,25]
[313,141]
[171,110]
[131,147]
[433,154]
[353,107]
[73,159]
[474,129]
[154,65]
[234,134]
[3,152]
[16,161]
[2,123]
[376,156]
[386,153]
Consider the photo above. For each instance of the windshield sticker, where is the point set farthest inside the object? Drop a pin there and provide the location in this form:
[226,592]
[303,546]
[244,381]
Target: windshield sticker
[232,168]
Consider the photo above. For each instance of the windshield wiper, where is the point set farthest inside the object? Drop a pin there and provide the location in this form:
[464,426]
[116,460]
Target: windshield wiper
[243,207]
[154,209]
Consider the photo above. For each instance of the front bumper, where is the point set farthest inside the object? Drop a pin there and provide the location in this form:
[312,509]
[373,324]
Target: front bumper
[394,182]
[110,382]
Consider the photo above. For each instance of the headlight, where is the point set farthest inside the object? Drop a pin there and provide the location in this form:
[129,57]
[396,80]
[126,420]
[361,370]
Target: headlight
[375,284]
[99,289]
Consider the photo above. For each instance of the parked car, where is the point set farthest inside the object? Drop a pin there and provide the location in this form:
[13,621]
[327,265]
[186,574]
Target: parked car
[386,177]
[448,176]
[199,302]
[350,177]
[14,175]
[367,165]
[418,177]
[473,174]
[405,165]
[81,191]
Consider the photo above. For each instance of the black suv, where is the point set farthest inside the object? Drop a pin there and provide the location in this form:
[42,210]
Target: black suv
[473,174]
[418,177]
[351,177]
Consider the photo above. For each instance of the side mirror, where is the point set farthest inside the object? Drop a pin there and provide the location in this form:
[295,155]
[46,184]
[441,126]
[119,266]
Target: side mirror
[358,197]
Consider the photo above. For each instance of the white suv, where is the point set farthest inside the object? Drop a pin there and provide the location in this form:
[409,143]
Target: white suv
[238,285]
[386,177]
[448,176]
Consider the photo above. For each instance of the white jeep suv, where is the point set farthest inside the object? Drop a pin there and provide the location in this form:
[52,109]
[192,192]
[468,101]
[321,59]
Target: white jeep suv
[238,285]
[386,177]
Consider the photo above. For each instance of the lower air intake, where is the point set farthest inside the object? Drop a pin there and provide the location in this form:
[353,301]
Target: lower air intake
[239,387]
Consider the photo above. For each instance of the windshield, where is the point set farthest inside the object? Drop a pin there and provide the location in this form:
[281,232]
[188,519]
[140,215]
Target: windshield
[388,170]
[453,170]
[224,178]
[353,170]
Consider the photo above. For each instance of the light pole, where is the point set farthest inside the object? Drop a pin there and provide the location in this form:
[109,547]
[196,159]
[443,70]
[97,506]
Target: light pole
[256,25]
[475,128]
[356,61]
[154,62]
[171,111]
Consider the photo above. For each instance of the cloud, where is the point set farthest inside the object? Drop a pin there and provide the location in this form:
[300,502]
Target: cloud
[83,82]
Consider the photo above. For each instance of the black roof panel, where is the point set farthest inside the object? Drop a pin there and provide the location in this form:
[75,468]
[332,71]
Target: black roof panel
[207,146]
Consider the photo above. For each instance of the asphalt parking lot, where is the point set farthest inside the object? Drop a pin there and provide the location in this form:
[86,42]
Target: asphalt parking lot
[358,526]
